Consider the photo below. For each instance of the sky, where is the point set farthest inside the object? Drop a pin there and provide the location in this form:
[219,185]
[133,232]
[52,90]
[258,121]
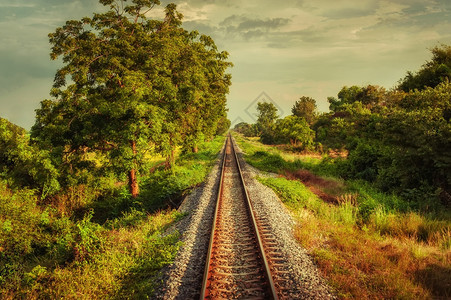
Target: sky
[281,50]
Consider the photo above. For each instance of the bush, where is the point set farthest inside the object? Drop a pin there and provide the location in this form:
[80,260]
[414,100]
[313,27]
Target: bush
[362,161]
[295,131]
[24,165]
[88,241]
[29,233]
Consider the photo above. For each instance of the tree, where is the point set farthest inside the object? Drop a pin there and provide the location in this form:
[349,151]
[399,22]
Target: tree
[267,116]
[202,89]
[345,96]
[402,147]
[371,96]
[223,125]
[134,86]
[24,165]
[432,73]
[246,129]
[340,129]
[305,107]
[294,130]
[419,136]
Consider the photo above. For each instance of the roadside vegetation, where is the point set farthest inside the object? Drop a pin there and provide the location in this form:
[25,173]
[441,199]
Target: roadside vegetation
[369,182]
[95,242]
[367,243]
[86,193]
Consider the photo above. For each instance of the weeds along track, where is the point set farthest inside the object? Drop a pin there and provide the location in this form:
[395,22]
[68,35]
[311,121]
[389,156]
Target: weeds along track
[237,266]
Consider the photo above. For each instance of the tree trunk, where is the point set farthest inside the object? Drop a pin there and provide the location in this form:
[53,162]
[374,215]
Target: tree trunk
[133,183]
[170,160]
[132,178]
[195,149]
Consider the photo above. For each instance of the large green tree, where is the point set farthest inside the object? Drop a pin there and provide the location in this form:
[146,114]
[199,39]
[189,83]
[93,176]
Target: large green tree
[346,95]
[133,82]
[203,85]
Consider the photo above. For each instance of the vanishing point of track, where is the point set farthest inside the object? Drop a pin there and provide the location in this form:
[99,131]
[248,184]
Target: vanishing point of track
[236,266]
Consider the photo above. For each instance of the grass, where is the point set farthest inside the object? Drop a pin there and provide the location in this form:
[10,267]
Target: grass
[369,245]
[44,255]
[95,244]
[109,263]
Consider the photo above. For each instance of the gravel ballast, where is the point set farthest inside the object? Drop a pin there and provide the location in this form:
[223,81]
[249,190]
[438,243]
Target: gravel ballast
[183,278]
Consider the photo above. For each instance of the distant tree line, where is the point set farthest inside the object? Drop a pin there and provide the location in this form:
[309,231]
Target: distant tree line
[294,129]
[399,139]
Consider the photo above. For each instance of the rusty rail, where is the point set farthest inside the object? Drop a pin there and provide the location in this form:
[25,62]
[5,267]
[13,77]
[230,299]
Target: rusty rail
[257,281]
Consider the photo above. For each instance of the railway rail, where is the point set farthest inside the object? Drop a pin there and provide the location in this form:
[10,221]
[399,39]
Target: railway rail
[242,259]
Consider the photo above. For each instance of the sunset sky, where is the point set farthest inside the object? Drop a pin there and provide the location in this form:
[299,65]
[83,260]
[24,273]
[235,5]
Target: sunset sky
[286,49]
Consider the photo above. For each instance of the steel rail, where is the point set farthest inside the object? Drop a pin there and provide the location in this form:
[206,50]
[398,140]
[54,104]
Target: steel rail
[207,265]
[272,289]
[254,223]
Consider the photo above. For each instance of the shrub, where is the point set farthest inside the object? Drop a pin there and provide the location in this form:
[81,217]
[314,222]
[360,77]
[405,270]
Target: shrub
[23,164]
[362,161]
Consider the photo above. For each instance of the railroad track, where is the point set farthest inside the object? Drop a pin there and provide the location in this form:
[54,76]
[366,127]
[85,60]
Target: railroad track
[237,266]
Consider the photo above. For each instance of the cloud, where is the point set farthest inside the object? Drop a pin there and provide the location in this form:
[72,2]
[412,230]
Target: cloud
[16,5]
[287,48]
[200,3]
[249,28]
[241,22]
[202,27]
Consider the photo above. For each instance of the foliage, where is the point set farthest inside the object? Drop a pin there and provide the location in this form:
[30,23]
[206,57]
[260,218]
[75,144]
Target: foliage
[28,231]
[432,73]
[400,146]
[403,253]
[305,107]
[126,266]
[137,86]
[246,129]
[340,129]
[24,165]
[345,96]
[294,130]
[363,161]
[223,126]
[371,96]
[267,115]
[113,248]
[291,129]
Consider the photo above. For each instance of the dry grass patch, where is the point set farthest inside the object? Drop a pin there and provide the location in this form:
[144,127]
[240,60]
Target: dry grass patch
[365,265]
[327,189]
